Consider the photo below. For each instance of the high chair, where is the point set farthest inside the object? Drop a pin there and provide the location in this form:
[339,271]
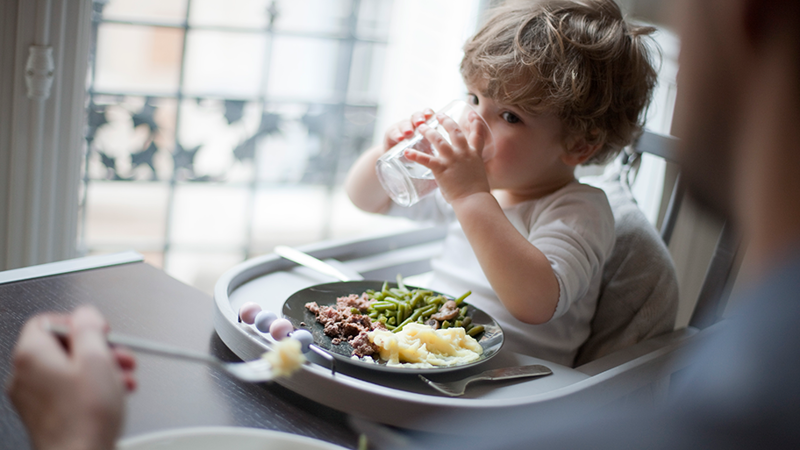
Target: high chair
[632,346]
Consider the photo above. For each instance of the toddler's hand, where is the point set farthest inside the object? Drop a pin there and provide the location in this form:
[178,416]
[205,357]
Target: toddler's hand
[404,129]
[458,169]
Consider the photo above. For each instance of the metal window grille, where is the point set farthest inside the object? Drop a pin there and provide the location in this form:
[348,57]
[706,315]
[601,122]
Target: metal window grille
[227,112]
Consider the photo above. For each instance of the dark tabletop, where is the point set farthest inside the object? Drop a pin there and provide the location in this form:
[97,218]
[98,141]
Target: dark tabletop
[140,300]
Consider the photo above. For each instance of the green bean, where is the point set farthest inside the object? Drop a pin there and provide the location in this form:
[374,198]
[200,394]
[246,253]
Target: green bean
[401,312]
[400,282]
[416,298]
[389,298]
[461,299]
[383,306]
[418,314]
[433,299]
[477,329]
[398,292]
[399,306]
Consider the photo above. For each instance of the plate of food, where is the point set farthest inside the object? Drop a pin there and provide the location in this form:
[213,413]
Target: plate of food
[391,327]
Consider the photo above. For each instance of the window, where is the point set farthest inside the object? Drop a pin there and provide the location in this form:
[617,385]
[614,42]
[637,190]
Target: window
[217,130]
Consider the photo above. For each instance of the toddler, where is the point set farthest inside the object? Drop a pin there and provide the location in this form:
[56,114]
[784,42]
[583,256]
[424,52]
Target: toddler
[559,83]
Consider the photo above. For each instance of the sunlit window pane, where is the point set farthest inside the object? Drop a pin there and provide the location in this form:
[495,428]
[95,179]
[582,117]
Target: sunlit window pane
[316,16]
[132,58]
[237,13]
[121,216]
[146,10]
[289,216]
[220,63]
[209,216]
[303,68]
[366,73]
[374,19]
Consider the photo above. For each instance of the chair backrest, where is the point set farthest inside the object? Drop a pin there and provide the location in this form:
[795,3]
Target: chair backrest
[639,294]
[639,291]
[721,271]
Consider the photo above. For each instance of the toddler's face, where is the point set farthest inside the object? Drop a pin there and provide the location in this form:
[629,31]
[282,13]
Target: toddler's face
[526,158]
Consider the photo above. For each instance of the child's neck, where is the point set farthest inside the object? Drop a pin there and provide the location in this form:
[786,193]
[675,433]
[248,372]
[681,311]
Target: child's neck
[508,197]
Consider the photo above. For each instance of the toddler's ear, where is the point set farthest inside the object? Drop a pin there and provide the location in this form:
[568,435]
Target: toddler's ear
[578,151]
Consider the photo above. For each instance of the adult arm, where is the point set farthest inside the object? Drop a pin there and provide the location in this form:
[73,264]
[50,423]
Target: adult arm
[70,394]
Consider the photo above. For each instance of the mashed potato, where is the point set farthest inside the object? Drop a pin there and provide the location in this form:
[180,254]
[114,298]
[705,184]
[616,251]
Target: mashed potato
[418,345]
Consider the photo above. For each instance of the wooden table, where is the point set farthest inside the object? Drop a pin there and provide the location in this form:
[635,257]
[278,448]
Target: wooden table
[140,300]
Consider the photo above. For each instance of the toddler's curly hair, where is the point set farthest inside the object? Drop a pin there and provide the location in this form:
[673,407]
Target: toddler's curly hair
[579,59]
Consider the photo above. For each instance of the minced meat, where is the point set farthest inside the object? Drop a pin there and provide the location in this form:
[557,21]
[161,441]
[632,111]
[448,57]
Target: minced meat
[346,322]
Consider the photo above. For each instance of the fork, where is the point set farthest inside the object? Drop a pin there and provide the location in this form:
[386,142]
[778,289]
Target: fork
[256,371]
[458,387]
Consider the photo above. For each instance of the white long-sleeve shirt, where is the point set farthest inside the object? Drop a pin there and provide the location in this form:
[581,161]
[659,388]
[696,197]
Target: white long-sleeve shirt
[573,227]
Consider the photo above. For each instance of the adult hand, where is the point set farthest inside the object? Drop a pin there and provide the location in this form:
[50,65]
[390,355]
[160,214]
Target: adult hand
[70,393]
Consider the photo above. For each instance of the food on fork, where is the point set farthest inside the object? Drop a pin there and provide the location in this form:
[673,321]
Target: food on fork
[285,357]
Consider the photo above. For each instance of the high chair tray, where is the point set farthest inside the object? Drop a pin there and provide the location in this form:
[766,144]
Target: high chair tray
[386,397]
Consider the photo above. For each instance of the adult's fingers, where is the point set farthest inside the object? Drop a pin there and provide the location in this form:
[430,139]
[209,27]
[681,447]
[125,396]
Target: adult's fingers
[125,358]
[127,362]
[37,352]
[88,333]
[37,345]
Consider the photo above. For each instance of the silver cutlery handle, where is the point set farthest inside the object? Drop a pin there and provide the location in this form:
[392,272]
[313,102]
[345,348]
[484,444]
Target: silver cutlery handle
[508,373]
[146,346]
[304,259]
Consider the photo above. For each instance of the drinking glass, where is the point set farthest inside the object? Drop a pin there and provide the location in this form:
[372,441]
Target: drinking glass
[407,182]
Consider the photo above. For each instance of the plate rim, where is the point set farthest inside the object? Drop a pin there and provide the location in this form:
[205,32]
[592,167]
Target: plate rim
[154,437]
[394,369]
